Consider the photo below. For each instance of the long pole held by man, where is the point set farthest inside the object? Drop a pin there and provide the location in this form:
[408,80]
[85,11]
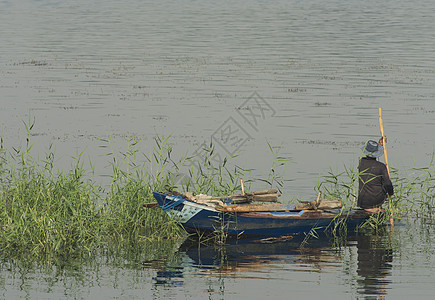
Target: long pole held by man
[384,144]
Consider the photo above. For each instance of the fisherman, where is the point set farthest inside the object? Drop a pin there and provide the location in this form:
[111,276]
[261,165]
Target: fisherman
[374,180]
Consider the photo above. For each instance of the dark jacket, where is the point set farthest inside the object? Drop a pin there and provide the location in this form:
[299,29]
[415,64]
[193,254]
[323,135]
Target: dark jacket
[374,183]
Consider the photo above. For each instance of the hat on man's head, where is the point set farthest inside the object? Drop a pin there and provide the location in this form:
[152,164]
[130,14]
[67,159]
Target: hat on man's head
[373,149]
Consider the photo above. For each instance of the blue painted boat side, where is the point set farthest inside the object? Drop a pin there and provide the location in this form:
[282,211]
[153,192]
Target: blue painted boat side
[199,217]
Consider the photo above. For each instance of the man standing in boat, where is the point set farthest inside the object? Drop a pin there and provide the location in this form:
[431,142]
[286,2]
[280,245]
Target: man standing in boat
[374,181]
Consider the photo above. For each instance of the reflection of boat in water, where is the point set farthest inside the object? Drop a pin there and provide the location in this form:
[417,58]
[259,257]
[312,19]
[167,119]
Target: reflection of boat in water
[301,265]
[253,257]
[256,256]
[281,220]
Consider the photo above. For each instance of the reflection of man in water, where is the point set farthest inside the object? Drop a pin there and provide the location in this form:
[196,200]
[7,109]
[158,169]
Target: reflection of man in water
[374,266]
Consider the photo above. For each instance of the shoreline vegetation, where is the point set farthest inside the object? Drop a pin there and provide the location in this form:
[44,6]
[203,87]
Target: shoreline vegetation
[47,212]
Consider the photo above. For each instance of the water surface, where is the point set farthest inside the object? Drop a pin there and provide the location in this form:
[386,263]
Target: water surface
[89,70]
[361,266]
[306,76]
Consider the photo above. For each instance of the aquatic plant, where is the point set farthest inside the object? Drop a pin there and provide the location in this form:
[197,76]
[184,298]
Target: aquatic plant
[313,233]
[52,212]
[277,170]
[132,185]
[210,174]
[44,212]
[341,186]
[414,191]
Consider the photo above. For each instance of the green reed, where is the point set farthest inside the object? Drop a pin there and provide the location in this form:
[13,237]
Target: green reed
[414,191]
[48,212]
[132,185]
[51,212]
[208,173]
[45,212]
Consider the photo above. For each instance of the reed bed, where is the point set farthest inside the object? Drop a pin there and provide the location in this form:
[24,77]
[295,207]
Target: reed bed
[47,212]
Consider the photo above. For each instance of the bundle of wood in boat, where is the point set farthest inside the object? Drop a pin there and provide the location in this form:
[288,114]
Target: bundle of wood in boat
[280,207]
[203,199]
[257,196]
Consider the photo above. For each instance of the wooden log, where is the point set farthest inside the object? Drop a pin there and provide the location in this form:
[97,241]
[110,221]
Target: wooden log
[240,201]
[189,196]
[328,204]
[237,196]
[237,199]
[266,198]
[258,207]
[260,197]
[212,203]
[265,207]
[279,207]
[272,191]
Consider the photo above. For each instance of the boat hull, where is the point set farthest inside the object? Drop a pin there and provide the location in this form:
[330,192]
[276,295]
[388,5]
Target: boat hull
[196,217]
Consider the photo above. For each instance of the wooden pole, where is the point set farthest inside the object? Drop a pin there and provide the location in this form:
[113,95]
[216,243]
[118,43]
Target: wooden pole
[384,142]
[241,185]
[318,199]
[383,139]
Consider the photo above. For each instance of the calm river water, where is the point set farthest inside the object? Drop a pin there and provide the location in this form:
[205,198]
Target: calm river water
[363,267]
[305,76]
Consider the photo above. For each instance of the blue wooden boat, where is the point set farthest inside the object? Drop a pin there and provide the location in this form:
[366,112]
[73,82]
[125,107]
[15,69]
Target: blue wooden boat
[197,217]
